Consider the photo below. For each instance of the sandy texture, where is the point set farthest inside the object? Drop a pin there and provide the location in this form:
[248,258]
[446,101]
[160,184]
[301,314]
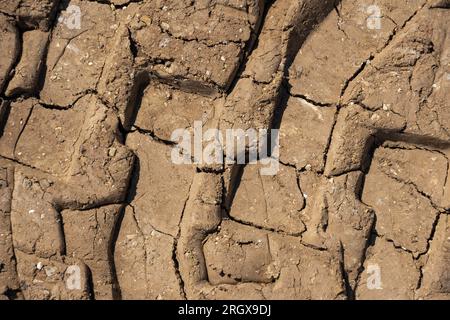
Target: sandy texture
[92,207]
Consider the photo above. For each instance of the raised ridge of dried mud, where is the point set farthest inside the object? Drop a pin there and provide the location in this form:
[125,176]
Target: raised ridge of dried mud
[87,184]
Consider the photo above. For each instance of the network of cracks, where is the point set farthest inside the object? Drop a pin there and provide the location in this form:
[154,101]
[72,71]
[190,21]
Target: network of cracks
[92,207]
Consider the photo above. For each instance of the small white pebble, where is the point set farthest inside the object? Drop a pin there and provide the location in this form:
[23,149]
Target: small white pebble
[50,271]
[165,26]
[375,117]
[112,152]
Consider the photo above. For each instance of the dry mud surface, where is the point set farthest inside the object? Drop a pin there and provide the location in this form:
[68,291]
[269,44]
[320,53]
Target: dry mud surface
[92,207]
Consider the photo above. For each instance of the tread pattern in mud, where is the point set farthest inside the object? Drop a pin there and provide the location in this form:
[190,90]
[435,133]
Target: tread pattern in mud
[91,206]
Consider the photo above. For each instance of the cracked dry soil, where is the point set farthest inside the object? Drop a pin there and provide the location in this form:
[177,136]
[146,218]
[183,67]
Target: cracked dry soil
[90,92]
